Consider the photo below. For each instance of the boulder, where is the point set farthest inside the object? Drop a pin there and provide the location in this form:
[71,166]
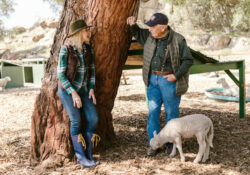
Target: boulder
[8,55]
[147,8]
[35,25]
[37,38]
[149,4]
[197,40]
[53,24]
[240,43]
[20,30]
[4,52]
[43,24]
[218,42]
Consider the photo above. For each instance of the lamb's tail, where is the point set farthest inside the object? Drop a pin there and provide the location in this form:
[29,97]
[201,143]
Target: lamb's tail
[210,135]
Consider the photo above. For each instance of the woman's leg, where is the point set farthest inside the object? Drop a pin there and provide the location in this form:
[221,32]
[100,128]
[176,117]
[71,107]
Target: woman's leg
[90,112]
[92,119]
[75,128]
[73,112]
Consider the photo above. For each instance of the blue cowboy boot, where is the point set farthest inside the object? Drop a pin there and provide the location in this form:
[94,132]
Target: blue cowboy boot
[91,141]
[79,145]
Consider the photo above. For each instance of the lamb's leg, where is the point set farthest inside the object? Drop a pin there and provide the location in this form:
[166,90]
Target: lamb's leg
[179,146]
[206,154]
[4,84]
[202,147]
[172,154]
[208,144]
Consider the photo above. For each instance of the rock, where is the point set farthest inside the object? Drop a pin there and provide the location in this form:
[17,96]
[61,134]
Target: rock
[20,30]
[37,38]
[53,24]
[218,42]
[35,25]
[145,14]
[8,55]
[43,24]
[239,43]
[4,52]
[35,50]
[200,40]
[149,4]
[147,8]
[12,56]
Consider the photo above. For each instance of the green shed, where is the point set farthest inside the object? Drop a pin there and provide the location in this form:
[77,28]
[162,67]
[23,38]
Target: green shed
[14,71]
[34,69]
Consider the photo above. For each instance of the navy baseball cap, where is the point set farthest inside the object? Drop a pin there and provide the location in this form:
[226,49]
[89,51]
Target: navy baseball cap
[157,18]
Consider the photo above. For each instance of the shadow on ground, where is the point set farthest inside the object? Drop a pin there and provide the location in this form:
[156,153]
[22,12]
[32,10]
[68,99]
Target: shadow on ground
[18,90]
[231,146]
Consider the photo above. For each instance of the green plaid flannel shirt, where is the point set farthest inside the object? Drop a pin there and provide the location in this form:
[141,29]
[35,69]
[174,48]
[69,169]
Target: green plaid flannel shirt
[80,82]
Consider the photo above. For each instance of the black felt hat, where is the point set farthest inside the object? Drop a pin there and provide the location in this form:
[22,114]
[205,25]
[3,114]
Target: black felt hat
[77,26]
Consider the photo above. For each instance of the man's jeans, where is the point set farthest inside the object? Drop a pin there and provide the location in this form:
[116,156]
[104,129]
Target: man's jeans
[159,91]
[75,114]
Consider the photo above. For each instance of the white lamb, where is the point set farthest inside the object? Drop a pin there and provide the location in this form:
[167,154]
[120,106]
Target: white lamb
[228,90]
[3,82]
[186,127]
[231,90]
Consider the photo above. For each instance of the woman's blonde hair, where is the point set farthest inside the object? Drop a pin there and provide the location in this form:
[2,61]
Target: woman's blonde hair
[76,40]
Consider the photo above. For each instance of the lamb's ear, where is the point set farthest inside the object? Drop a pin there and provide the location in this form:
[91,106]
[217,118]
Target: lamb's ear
[155,134]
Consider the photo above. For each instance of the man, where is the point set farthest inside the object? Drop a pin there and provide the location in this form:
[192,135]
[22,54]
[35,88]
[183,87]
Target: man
[166,62]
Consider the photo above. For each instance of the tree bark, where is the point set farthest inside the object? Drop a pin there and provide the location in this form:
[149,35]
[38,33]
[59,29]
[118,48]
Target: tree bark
[50,127]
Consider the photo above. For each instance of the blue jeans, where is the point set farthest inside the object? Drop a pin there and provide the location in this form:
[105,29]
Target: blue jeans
[159,91]
[75,114]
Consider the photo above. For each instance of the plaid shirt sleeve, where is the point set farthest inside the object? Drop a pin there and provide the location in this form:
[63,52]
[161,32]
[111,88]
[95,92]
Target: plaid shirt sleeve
[92,72]
[61,70]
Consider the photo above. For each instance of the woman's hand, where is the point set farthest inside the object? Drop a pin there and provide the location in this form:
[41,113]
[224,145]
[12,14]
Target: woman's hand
[77,102]
[92,95]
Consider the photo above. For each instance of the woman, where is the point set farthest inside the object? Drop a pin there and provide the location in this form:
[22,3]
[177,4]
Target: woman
[76,75]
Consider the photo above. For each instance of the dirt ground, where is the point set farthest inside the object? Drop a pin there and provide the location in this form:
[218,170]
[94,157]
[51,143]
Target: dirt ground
[230,155]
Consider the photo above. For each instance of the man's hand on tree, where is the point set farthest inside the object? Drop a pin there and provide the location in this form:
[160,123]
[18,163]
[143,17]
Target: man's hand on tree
[131,20]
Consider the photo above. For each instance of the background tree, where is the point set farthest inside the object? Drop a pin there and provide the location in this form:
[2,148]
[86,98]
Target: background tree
[6,8]
[50,134]
[55,5]
[214,15]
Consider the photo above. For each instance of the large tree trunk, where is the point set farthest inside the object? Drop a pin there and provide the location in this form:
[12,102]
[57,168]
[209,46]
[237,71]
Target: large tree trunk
[50,126]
